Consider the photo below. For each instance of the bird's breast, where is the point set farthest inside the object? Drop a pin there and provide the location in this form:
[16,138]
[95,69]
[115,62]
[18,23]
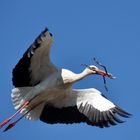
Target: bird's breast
[67,76]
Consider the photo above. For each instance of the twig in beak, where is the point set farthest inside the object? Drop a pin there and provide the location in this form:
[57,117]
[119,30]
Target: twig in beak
[105,83]
[103,66]
[109,75]
[97,62]
[85,65]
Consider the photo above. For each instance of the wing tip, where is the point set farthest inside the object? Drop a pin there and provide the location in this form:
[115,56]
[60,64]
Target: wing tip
[23,66]
[121,112]
[46,29]
[108,118]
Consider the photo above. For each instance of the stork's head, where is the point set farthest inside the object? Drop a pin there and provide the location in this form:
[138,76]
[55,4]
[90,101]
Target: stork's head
[95,70]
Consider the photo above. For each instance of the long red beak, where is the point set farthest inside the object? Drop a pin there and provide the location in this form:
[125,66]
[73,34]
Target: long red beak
[103,73]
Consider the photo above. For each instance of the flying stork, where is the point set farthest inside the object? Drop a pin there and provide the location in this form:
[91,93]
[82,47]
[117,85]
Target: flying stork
[44,91]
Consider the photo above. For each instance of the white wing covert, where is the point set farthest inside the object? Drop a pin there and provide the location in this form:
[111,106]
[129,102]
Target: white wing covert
[99,110]
[84,105]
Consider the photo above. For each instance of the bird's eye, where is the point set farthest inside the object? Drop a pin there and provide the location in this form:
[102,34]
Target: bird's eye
[92,68]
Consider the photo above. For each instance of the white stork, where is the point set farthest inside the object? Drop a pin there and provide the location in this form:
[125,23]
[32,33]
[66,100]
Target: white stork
[43,91]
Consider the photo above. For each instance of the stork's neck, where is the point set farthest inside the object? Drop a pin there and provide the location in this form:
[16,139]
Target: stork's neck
[70,77]
[81,75]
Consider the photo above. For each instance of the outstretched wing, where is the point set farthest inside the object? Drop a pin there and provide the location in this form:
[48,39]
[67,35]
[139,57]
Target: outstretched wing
[35,64]
[87,105]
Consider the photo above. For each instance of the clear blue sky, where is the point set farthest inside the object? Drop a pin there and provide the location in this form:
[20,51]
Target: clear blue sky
[106,29]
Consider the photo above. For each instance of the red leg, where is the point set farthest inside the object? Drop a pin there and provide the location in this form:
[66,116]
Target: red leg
[7,120]
[18,111]
[11,125]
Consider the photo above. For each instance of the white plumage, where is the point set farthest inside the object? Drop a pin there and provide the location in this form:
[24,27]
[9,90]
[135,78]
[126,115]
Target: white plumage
[43,91]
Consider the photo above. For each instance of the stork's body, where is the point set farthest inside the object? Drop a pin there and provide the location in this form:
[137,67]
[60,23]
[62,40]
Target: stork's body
[43,91]
[55,88]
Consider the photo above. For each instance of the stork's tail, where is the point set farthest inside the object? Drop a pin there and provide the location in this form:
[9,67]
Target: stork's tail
[19,96]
